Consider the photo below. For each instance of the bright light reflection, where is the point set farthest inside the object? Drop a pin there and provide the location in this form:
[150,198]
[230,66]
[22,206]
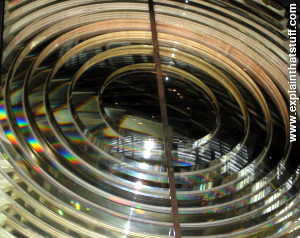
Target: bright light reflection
[144,166]
[138,185]
[127,227]
[148,146]
[60,212]
[147,154]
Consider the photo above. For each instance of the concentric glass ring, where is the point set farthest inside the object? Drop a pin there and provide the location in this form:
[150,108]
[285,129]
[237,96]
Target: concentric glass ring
[83,139]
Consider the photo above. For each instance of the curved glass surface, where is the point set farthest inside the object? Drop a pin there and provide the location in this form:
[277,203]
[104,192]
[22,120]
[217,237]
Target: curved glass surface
[83,136]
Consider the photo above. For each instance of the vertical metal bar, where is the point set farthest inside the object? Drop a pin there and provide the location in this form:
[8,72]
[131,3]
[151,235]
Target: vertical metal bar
[164,120]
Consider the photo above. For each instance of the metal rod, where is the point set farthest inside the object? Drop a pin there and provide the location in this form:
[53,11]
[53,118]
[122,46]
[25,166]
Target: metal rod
[164,120]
